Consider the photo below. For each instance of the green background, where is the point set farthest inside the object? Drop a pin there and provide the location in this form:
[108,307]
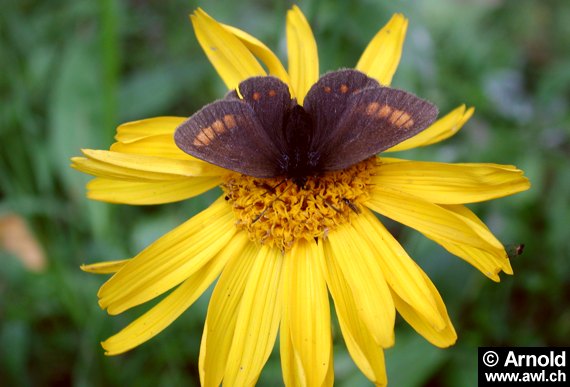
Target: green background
[71,71]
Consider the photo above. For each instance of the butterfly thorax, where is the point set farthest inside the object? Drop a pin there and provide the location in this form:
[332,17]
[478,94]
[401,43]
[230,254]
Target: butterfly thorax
[298,162]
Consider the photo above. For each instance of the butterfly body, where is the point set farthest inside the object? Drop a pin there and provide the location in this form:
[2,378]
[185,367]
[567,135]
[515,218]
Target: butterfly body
[298,161]
[260,131]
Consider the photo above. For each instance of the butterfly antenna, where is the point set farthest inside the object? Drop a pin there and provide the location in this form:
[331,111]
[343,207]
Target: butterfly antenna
[274,200]
[268,189]
[329,203]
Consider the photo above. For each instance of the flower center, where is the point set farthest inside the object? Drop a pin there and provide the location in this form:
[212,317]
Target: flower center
[277,212]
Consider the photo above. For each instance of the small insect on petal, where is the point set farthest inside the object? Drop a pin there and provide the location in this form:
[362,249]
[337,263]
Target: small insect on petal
[515,250]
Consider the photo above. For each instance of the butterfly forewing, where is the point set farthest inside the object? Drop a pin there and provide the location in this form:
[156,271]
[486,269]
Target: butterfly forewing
[374,119]
[228,133]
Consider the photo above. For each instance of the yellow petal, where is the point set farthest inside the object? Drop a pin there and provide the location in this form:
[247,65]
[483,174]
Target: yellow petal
[362,346]
[451,183]
[430,219]
[257,321]
[137,130]
[489,261]
[151,137]
[381,57]
[367,283]
[305,332]
[329,378]
[170,308]
[222,315]
[110,171]
[107,267]
[261,51]
[440,130]
[440,337]
[475,223]
[153,192]
[229,56]
[115,165]
[169,260]
[402,274]
[161,145]
[303,55]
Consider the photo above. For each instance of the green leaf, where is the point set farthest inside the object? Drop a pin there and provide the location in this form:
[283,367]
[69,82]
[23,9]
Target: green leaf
[412,361]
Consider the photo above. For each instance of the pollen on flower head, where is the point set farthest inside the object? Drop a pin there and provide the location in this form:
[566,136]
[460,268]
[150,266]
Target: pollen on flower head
[276,212]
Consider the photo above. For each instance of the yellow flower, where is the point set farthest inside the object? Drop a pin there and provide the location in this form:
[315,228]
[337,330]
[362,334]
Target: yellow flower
[277,249]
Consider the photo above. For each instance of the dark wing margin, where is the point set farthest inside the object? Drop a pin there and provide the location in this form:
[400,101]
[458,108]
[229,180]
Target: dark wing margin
[374,120]
[228,133]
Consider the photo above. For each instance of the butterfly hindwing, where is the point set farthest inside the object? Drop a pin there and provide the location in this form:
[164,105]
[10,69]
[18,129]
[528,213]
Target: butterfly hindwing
[270,99]
[229,134]
[374,119]
[327,100]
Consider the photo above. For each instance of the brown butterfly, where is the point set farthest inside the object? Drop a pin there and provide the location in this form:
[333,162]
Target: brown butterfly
[260,131]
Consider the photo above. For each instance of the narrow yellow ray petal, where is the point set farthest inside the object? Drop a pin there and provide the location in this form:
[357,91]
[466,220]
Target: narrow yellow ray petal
[402,274]
[262,52]
[306,334]
[171,307]
[136,130]
[451,183]
[329,377]
[291,367]
[107,267]
[161,145]
[151,164]
[489,261]
[442,337]
[362,346]
[222,315]
[428,218]
[476,224]
[366,280]
[381,57]
[229,56]
[169,260]
[257,321]
[303,54]
[144,193]
[110,171]
[440,130]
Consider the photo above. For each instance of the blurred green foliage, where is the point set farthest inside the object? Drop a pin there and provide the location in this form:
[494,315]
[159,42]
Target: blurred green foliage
[73,70]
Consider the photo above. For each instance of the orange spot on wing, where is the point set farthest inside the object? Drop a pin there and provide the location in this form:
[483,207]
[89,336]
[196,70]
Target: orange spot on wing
[343,88]
[219,127]
[271,93]
[372,108]
[230,121]
[327,89]
[384,111]
[204,137]
[256,96]
[401,119]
